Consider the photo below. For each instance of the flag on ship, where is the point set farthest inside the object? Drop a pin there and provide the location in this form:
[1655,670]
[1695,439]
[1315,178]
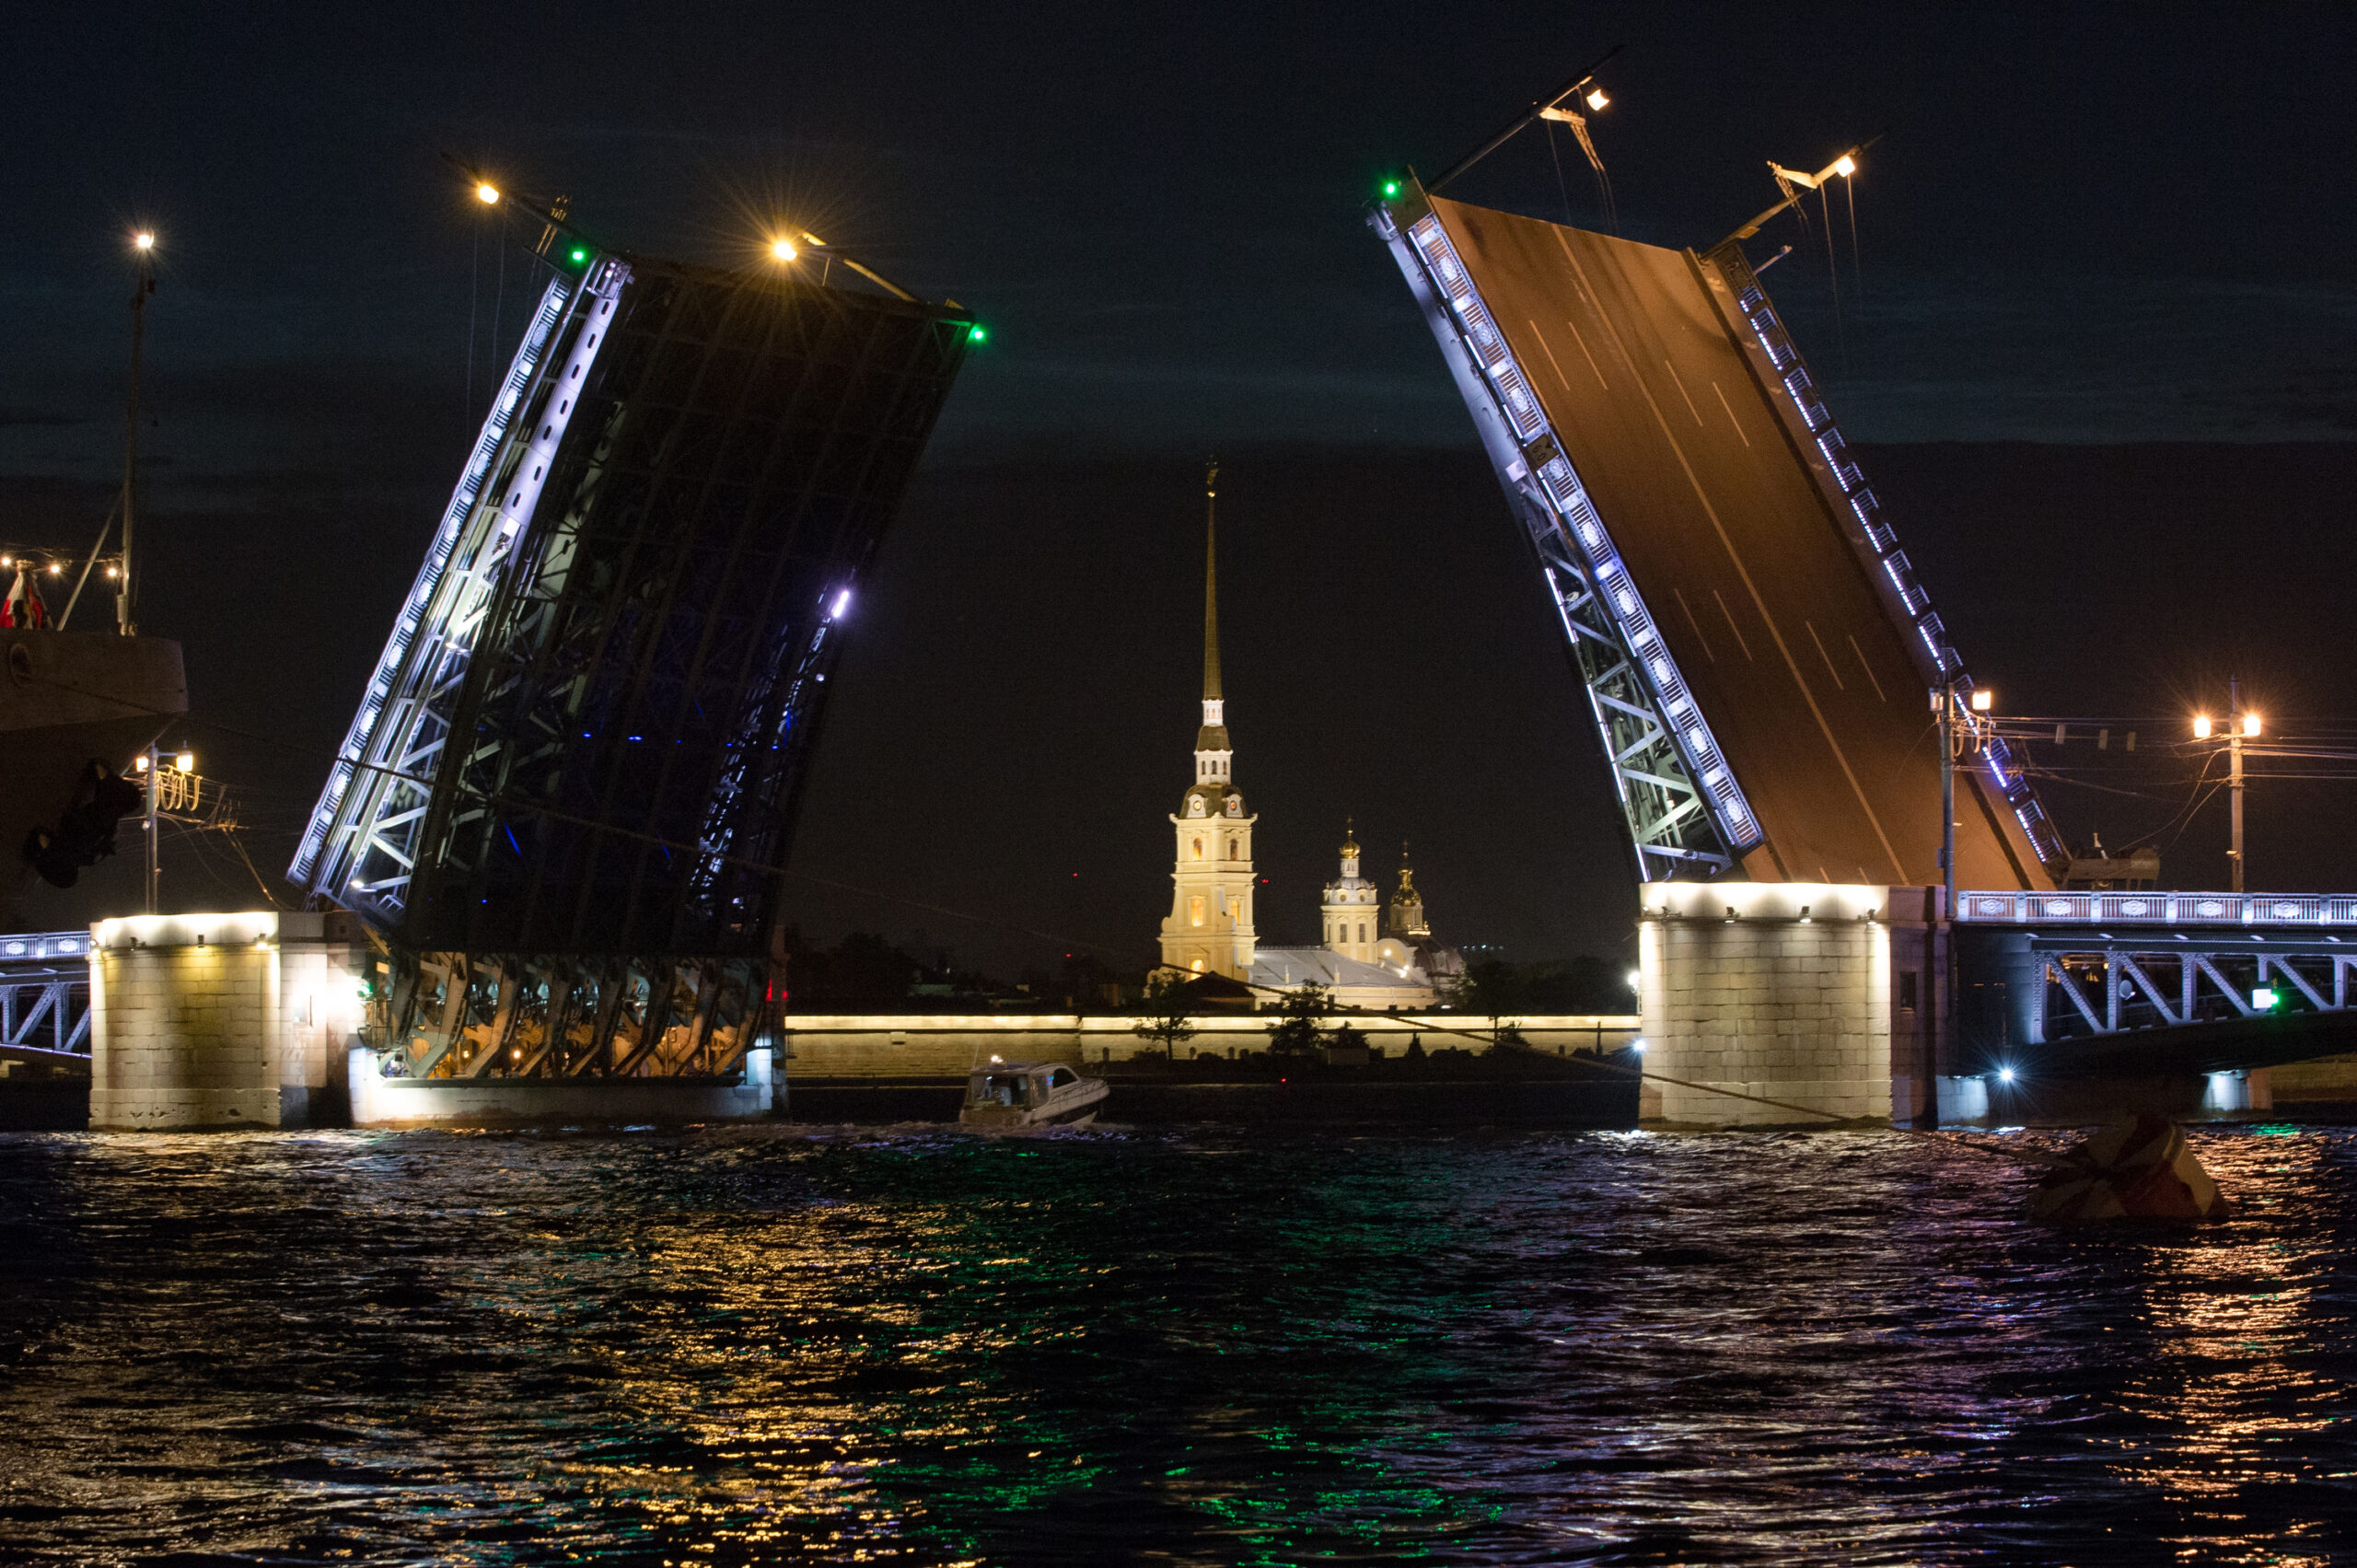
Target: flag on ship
[23,607]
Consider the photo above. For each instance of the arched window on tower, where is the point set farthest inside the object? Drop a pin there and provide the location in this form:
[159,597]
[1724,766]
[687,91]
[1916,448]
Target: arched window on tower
[1232,850]
[1194,911]
[1199,849]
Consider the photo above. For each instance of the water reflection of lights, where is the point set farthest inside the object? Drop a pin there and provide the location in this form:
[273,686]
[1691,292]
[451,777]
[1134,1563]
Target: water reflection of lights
[1773,1347]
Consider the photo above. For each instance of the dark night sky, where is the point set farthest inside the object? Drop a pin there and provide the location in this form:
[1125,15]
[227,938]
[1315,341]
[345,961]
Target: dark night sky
[2102,320]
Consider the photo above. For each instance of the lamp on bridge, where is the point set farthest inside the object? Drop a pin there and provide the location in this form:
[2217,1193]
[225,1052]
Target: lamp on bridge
[2241,725]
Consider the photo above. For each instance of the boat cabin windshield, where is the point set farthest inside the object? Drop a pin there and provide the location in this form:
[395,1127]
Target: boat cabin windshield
[1062,1077]
[1003,1088]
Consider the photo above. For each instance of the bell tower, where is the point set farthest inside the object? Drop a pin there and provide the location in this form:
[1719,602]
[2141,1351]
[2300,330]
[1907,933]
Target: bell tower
[1350,914]
[1209,928]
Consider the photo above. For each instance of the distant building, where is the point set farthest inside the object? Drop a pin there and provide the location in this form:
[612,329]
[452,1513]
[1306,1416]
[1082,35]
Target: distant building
[1209,927]
[1375,956]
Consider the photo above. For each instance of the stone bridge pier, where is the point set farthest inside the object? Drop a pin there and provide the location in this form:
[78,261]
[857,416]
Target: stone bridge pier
[1819,995]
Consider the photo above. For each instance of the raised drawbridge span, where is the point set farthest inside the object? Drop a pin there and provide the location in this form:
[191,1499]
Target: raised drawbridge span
[1755,645]
[563,802]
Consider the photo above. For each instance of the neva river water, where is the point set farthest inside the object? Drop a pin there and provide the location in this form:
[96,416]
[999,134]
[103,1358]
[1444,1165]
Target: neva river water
[1183,1346]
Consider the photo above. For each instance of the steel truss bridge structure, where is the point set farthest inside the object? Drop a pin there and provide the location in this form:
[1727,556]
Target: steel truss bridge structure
[45,998]
[1754,646]
[564,800]
[2160,972]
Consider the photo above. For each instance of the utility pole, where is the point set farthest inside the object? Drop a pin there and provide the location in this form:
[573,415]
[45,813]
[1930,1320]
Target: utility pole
[143,245]
[1944,703]
[2234,726]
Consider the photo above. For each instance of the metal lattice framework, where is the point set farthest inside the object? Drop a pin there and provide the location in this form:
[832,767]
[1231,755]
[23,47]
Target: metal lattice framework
[45,994]
[567,795]
[1655,736]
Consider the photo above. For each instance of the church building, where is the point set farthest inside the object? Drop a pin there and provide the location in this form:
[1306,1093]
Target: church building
[1373,957]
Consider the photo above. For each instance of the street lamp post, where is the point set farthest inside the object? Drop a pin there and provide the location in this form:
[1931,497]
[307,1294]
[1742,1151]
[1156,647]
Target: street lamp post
[1958,730]
[2241,725]
[152,762]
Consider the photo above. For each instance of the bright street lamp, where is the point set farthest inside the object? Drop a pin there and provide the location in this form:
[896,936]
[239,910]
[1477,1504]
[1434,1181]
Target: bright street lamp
[2240,726]
[487,194]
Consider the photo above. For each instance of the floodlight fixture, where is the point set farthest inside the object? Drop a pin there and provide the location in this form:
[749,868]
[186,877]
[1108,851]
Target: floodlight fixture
[1596,99]
[139,763]
[1983,701]
[2201,726]
[487,194]
[784,249]
[1845,166]
[2251,723]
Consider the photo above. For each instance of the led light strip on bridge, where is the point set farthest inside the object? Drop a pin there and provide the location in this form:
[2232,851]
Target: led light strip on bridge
[1637,682]
[378,792]
[2273,911]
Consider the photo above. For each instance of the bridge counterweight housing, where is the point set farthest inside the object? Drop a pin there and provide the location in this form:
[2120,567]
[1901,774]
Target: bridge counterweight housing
[566,798]
[1755,647]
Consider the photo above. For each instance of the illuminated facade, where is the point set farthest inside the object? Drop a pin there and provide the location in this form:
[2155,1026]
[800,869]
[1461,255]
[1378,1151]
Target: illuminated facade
[1351,914]
[1209,927]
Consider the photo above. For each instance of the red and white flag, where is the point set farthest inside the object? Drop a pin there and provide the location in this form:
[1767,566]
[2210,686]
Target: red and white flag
[23,607]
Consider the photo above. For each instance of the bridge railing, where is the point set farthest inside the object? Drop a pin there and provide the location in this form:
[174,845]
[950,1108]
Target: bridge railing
[2282,911]
[45,994]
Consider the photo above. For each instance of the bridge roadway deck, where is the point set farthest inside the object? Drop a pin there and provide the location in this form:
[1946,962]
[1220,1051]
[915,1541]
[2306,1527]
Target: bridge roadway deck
[1778,623]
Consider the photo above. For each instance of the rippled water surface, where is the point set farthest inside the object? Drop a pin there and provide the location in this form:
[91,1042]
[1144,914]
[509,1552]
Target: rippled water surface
[1193,1347]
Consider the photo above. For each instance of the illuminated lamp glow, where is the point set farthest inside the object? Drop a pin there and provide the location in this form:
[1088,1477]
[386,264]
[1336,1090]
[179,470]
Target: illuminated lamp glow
[784,249]
[1390,189]
[185,762]
[2264,997]
[2201,726]
[1983,701]
[1636,979]
[978,333]
[1596,100]
[1845,165]
[842,602]
[2251,723]
[487,194]
[1636,1045]
[2004,1074]
[144,240]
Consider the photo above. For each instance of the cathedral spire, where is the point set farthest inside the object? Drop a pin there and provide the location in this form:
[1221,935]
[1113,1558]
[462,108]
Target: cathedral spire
[1210,741]
[1211,586]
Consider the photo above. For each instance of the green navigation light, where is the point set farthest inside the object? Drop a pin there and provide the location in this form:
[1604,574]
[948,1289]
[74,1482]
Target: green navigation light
[978,333]
[1390,189]
[579,255]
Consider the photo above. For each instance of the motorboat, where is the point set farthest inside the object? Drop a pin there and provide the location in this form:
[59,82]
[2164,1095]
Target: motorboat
[1030,1094]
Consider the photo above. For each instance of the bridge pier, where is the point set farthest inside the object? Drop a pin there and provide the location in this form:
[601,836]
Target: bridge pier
[1762,1002]
[221,1021]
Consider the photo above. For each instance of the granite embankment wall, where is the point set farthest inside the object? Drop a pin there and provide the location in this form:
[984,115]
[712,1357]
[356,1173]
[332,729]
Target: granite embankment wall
[941,1046]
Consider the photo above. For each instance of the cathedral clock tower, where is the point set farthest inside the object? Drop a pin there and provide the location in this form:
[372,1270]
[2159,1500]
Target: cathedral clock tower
[1210,929]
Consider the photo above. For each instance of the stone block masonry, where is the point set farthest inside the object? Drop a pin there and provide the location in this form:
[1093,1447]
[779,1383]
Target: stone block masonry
[1783,992]
[209,1021]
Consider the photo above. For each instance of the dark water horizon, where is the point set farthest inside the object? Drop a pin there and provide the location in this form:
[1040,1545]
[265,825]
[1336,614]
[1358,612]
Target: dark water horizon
[1194,1345]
